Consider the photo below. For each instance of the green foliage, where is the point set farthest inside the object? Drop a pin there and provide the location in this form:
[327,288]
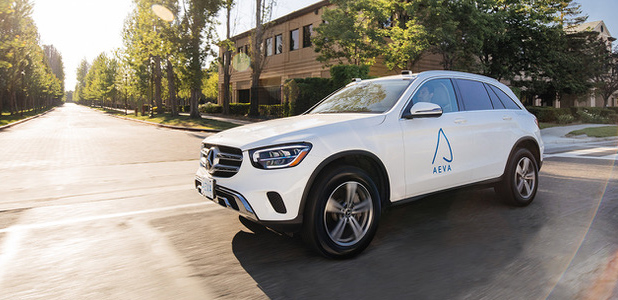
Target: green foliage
[565,119]
[210,87]
[211,108]
[240,108]
[600,132]
[363,36]
[548,114]
[30,78]
[301,94]
[276,111]
[343,74]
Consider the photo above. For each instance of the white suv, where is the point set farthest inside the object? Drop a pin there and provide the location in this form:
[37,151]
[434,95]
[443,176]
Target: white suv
[330,172]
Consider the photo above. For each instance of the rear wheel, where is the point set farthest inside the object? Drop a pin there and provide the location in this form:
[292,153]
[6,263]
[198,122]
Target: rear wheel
[342,213]
[520,182]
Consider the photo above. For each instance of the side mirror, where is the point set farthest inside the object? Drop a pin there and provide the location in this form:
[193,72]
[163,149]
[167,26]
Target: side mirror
[424,110]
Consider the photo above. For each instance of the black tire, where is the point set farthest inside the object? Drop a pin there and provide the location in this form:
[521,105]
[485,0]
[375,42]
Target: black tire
[342,212]
[521,179]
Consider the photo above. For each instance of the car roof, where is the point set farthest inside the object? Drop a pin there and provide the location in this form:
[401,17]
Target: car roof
[440,73]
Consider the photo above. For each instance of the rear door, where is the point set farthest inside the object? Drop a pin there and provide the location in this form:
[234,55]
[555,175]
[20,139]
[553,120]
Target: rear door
[491,139]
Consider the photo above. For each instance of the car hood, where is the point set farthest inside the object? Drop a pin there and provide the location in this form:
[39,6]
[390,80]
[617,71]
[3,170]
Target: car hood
[302,128]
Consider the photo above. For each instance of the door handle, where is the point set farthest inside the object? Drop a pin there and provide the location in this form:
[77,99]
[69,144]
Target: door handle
[507,118]
[460,121]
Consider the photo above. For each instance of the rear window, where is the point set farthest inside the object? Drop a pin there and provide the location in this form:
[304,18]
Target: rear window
[376,96]
[474,95]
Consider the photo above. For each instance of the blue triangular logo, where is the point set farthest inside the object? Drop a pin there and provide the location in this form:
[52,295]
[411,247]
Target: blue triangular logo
[442,139]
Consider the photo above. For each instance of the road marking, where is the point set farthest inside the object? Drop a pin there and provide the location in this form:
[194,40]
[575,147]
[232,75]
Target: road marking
[604,153]
[107,216]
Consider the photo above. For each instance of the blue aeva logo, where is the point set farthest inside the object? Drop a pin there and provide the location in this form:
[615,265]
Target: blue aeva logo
[445,166]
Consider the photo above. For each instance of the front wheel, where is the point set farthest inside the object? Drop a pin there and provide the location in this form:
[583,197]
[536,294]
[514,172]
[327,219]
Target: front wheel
[342,213]
[520,182]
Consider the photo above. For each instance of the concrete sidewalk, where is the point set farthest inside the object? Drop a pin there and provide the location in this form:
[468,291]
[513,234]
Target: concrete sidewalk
[555,138]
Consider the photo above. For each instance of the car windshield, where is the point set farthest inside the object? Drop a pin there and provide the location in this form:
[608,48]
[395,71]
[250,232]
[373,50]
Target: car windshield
[376,96]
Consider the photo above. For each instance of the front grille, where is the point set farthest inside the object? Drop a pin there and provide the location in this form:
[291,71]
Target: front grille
[221,161]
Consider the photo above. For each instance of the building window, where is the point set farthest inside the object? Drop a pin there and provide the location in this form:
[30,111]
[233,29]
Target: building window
[269,46]
[278,44]
[307,33]
[239,49]
[294,40]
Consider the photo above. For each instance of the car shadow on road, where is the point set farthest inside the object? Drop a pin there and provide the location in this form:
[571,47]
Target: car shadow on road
[458,244]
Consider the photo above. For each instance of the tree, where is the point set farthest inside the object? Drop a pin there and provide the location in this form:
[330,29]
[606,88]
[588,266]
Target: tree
[54,58]
[210,86]
[197,23]
[361,42]
[263,11]
[606,81]
[27,80]
[228,47]
[81,72]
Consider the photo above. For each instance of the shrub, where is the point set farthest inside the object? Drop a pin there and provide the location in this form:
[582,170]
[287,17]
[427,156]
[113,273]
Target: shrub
[301,94]
[240,108]
[565,119]
[551,114]
[210,108]
[591,116]
[272,110]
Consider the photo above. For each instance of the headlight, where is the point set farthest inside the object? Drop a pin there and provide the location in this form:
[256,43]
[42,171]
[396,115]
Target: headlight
[277,157]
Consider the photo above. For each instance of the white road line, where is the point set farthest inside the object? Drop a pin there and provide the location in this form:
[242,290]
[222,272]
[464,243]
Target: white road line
[584,153]
[108,216]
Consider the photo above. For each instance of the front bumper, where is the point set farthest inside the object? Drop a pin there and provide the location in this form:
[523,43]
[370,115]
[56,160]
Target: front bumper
[230,199]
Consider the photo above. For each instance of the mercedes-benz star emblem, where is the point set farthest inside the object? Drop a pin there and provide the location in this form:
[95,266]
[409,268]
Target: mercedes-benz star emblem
[212,159]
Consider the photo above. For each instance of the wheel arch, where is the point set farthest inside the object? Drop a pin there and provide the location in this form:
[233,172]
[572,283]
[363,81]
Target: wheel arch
[527,143]
[364,160]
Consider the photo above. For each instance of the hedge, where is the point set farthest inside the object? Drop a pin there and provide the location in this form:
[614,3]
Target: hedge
[599,115]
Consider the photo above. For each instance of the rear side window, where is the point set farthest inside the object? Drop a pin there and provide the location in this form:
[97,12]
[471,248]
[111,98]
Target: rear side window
[504,98]
[474,95]
[494,98]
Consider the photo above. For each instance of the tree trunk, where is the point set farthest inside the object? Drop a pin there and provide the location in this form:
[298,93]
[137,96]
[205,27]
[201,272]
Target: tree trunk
[13,102]
[171,85]
[256,58]
[195,98]
[157,83]
[227,57]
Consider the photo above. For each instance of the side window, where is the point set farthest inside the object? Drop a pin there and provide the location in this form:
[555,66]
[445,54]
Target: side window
[504,98]
[494,98]
[474,95]
[438,91]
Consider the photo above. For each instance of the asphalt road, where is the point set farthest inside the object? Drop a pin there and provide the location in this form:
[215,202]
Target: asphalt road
[94,207]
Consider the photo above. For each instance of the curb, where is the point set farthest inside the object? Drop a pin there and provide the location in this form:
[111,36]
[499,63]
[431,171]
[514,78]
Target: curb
[161,125]
[25,120]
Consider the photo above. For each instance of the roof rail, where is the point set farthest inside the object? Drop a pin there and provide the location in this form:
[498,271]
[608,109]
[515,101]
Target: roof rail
[356,80]
[406,72]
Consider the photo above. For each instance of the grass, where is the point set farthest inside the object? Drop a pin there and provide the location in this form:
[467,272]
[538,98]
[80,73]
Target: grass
[183,121]
[600,132]
[7,118]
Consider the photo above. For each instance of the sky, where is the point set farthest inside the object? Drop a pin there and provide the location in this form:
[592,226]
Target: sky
[85,28]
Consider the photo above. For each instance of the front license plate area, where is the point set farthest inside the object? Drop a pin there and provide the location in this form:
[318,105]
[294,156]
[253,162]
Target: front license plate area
[208,188]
